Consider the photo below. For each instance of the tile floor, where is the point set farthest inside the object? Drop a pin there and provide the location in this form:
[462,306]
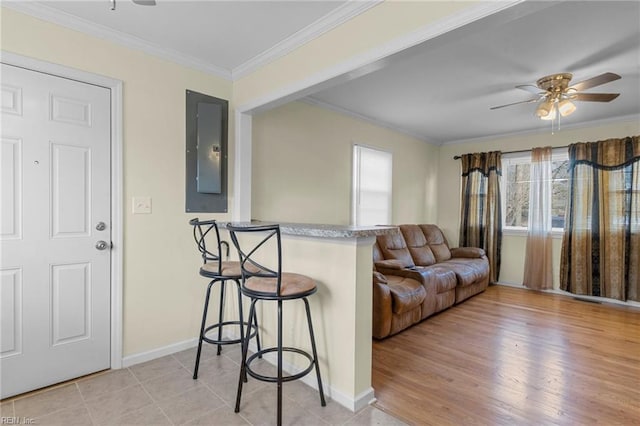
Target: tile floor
[162,392]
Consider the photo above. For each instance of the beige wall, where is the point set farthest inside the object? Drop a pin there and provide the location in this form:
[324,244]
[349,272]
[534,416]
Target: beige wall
[302,165]
[513,246]
[162,291]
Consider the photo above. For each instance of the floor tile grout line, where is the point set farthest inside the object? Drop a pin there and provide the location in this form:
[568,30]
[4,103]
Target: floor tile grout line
[42,392]
[153,400]
[222,399]
[203,384]
[84,403]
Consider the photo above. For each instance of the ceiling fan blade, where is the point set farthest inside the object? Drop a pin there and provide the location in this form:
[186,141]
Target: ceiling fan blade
[595,97]
[530,88]
[516,103]
[145,2]
[595,81]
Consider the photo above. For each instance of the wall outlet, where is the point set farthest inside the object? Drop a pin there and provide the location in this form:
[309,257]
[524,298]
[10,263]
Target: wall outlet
[141,205]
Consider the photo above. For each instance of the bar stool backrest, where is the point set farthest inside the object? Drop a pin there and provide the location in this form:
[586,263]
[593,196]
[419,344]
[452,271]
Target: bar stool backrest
[251,257]
[207,230]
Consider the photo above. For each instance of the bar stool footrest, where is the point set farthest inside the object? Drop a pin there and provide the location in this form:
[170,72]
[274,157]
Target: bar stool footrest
[274,379]
[226,342]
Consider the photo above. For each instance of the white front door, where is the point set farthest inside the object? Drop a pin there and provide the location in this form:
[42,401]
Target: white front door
[55,208]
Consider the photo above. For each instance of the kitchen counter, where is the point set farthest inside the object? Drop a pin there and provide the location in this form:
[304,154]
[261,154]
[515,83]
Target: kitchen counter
[321,230]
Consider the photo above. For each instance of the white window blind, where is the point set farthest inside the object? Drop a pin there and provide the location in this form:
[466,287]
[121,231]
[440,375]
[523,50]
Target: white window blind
[371,186]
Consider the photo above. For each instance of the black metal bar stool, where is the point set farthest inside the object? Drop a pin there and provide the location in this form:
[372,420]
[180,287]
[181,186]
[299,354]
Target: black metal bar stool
[218,271]
[261,283]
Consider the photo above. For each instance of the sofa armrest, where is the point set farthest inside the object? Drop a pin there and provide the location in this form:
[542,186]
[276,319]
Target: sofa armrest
[468,252]
[382,307]
[417,273]
[379,278]
[389,264]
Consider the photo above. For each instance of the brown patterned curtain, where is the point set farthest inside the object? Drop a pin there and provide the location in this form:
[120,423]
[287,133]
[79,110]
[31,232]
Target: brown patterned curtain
[601,243]
[481,216]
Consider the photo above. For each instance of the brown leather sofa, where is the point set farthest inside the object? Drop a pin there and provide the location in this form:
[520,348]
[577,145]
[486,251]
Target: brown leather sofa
[419,255]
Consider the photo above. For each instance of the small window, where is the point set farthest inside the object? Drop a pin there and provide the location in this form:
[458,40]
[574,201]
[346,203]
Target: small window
[371,194]
[516,182]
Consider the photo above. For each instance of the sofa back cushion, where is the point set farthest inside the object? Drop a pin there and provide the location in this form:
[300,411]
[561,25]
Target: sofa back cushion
[417,244]
[393,246]
[437,242]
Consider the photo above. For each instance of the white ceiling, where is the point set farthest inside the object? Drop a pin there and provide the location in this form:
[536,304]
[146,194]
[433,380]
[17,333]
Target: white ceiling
[439,91]
[442,90]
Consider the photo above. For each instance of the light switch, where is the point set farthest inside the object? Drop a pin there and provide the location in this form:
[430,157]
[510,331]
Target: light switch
[141,205]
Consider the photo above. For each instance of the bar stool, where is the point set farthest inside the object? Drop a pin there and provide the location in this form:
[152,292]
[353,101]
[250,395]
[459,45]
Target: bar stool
[261,283]
[218,271]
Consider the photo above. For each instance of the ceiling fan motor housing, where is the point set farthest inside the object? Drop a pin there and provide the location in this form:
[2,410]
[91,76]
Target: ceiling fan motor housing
[555,82]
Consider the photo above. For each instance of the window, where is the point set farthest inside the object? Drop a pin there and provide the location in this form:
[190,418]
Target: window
[515,184]
[371,195]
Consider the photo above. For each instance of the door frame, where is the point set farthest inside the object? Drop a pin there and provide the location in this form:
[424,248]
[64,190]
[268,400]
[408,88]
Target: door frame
[117,237]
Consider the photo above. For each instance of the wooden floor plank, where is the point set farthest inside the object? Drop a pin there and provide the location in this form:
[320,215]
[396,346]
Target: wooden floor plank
[513,356]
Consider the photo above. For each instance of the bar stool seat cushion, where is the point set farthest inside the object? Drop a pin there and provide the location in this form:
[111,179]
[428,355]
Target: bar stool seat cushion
[229,269]
[291,285]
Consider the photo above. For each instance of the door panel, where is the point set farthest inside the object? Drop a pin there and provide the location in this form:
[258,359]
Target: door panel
[11,304]
[70,303]
[70,190]
[55,293]
[11,187]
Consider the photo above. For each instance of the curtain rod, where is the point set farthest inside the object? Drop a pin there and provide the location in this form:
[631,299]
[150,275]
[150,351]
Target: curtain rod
[457,157]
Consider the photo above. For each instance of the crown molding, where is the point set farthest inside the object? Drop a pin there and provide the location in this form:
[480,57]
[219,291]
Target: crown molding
[331,20]
[67,20]
[338,16]
[310,100]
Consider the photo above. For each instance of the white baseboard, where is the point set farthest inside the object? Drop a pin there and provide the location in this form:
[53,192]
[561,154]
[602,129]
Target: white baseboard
[173,348]
[597,299]
[354,404]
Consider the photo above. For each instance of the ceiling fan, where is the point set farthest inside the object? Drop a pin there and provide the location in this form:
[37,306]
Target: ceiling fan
[555,96]
[140,2]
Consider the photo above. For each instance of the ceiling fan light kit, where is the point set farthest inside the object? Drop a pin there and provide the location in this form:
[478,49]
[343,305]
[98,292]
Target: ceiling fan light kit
[566,107]
[555,96]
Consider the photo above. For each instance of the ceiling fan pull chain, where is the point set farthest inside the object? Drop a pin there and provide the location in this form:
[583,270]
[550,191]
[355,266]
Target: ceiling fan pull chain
[558,115]
[113,4]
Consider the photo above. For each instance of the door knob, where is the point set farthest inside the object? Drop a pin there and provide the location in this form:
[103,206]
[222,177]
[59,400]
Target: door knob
[101,245]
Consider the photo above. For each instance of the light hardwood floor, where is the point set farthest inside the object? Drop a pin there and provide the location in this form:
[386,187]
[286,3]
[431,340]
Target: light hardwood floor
[512,356]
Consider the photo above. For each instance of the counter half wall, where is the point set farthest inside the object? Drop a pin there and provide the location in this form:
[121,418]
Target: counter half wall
[339,259]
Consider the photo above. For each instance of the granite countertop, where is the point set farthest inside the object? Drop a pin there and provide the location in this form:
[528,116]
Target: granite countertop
[320,230]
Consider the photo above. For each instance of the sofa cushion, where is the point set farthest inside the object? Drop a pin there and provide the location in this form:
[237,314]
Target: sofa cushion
[479,265]
[442,279]
[466,273]
[406,293]
[393,246]
[417,244]
[437,242]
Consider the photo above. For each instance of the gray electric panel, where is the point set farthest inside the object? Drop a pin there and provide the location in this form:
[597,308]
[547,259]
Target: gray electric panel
[206,153]
[209,174]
